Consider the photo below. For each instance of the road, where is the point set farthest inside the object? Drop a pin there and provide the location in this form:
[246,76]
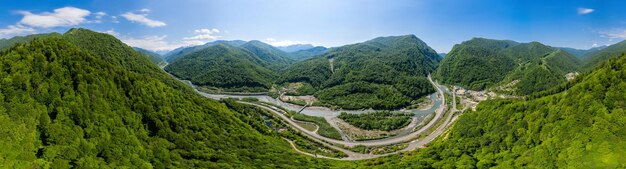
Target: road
[411,138]
[412,145]
[406,138]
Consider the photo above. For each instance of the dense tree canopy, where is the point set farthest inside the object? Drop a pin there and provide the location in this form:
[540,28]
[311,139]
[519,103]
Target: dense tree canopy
[85,100]
[154,57]
[593,59]
[579,127]
[68,105]
[6,43]
[307,53]
[182,51]
[380,120]
[231,65]
[392,69]
[224,66]
[480,64]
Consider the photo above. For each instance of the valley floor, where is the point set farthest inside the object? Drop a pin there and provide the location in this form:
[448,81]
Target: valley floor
[412,136]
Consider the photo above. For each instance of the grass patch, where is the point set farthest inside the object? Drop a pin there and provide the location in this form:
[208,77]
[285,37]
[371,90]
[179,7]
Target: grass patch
[378,149]
[279,128]
[307,126]
[459,105]
[325,129]
[297,102]
[380,120]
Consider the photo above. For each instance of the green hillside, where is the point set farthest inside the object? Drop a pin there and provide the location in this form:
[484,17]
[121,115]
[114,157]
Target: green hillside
[582,53]
[6,43]
[522,68]
[294,48]
[224,66]
[268,53]
[307,53]
[154,57]
[68,102]
[474,67]
[579,127]
[385,72]
[182,51]
[594,59]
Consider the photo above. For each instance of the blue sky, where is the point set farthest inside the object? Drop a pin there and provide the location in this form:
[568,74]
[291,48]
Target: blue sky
[167,24]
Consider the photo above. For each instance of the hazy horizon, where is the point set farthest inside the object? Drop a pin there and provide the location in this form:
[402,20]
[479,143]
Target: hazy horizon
[163,26]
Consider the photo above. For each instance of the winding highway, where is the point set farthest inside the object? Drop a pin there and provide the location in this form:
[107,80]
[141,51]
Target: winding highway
[411,138]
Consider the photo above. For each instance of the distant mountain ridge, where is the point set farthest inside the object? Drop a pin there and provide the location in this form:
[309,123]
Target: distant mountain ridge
[581,53]
[595,58]
[154,57]
[267,52]
[296,47]
[308,53]
[5,43]
[179,52]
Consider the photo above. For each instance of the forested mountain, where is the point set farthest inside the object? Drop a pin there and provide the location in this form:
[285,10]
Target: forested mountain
[296,47]
[579,126]
[224,66]
[5,43]
[593,59]
[307,53]
[235,66]
[581,53]
[268,53]
[182,51]
[519,68]
[86,100]
[382,73]
[154,57]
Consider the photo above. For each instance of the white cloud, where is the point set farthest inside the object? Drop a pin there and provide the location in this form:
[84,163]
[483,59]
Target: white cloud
[155,43]
[114,19]
[207,31]
[584,11]
[614,34]
[111,32]
[275,42]
[142,19]
[99,16]
[144,10]
[204,35]
[13,30]
[159,43]
[66,16]
[594,45]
